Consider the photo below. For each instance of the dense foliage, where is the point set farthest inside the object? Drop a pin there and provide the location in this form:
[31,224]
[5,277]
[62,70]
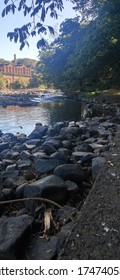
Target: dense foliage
[86,55]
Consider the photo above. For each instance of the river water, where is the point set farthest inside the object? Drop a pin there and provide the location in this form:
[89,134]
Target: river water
[23,119]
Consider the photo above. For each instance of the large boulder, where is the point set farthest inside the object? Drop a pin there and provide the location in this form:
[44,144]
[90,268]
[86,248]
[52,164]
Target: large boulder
[72,172]
[51,187]
[13,231]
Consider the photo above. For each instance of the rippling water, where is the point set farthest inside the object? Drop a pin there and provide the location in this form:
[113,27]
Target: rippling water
[23,119]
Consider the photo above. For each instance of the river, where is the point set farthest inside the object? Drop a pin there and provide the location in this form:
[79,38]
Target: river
[15,119]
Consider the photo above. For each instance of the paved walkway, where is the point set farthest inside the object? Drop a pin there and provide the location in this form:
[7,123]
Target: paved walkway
[96,235]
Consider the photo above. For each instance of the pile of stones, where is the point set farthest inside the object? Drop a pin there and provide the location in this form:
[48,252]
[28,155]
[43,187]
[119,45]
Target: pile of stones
[60,163]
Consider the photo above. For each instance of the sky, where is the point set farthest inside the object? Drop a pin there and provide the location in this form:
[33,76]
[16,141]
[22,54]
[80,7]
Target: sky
[9,22]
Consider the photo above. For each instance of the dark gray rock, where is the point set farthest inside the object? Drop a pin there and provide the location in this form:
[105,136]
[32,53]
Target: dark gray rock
[14,182]
[40,249]
[48,148]
[4,146]
[72,172]
[97,164]
[116,120]
[104,133]
[13,231]
[36,142]
[24,163]
[93,131]
[22,148]
[65,151]
[108,124]
[81,155]
[85,147]
[67,144]
[25,155]
[87,159]
[90,140]
[71,188]
[56,143]
[9,174]
[38,132]
[102,141]
[75,131]
[46,165]
[51,187]
[8,193]
[21,137]
[6,162]
[12,155]
[96,146]
[11,167]
[58,125]
[61,157]
[1,133]
[29,147]
[4,153]
[51,131]
[19,190]
[39,155]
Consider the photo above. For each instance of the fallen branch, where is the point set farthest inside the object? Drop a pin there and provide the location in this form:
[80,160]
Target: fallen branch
[32,198]
[35,198]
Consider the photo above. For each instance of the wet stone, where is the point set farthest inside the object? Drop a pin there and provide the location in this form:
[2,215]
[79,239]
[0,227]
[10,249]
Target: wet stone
[12,234]
[40,249]
[72,172]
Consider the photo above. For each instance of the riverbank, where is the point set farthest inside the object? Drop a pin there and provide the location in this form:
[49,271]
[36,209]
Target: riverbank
[59,163]
[96,233]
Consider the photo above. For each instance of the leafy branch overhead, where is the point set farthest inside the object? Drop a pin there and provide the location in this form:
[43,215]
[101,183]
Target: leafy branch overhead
[36,10]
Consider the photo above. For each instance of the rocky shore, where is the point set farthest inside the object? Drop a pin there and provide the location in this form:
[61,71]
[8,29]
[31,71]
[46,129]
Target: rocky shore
[18,99]
[57,164]
[25,98]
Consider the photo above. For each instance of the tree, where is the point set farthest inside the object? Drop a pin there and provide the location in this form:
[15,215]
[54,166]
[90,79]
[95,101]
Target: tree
[21,83]
[53,61]
[36,10]
[88,56]
[34,82]
[2,82]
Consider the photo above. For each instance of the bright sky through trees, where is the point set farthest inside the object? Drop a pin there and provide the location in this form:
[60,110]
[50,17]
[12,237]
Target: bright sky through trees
[9,22]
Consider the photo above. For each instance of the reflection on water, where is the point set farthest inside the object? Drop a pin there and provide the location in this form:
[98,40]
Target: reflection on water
[23,119]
